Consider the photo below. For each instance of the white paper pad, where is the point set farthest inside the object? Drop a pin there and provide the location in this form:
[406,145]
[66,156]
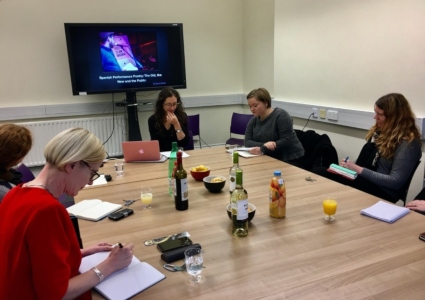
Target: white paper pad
[168,153]
[385,212]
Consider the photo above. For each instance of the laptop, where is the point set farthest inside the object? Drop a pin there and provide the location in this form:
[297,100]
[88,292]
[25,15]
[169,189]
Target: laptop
[141,151]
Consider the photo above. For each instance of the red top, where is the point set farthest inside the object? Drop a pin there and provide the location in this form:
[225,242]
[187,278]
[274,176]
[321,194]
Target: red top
[38,246]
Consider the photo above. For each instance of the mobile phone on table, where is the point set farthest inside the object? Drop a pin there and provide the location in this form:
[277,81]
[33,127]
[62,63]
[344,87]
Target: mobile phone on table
[124,213]
[422,236]
[174,244]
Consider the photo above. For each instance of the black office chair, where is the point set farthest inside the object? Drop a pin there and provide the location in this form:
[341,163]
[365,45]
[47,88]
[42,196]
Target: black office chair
[238,126]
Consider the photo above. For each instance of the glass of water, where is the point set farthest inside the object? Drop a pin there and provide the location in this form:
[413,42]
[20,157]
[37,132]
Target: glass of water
[194,263]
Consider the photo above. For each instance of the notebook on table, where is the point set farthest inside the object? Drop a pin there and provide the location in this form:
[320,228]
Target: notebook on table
[125,283]
[142,151]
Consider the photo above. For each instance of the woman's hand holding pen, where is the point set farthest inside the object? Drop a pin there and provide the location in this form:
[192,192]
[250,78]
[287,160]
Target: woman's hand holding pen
[118,258]
[346,163]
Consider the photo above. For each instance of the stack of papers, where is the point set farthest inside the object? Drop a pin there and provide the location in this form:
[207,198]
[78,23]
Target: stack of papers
[243,151]
[167,154]
[347,173]
[385,212]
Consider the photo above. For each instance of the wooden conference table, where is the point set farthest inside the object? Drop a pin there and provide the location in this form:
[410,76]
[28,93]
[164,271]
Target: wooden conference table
[299,257]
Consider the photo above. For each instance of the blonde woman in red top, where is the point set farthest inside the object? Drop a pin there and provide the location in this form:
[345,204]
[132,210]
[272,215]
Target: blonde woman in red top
[40,254]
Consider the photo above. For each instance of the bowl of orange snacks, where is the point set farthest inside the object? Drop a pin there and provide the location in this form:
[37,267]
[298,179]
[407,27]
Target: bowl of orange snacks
[200,172]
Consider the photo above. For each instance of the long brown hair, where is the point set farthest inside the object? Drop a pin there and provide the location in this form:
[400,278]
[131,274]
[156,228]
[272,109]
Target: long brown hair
[399,124]
[160,111]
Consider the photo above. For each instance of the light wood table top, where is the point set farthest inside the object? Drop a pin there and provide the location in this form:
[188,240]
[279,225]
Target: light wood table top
[299,257]
[216,158]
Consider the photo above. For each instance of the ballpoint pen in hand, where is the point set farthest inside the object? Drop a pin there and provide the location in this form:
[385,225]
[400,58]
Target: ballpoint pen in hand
[346,159]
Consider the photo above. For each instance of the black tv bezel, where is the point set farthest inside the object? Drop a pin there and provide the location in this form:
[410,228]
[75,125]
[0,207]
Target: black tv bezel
[132,90]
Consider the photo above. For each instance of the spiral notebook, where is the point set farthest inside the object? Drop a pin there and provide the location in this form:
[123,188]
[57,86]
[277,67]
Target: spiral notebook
[385,211]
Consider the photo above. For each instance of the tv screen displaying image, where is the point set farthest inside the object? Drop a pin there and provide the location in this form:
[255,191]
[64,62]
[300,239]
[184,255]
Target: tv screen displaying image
[113,58]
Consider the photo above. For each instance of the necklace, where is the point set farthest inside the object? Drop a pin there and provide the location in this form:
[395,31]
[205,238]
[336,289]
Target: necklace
[40,185]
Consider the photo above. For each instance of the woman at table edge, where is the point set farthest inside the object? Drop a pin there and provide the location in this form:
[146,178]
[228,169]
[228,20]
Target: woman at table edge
[418,204]
[397,150]
[15,143]
[169,124]
[41,255]
[270,131]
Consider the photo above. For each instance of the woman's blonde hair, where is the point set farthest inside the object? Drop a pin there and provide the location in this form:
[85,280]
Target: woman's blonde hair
[73,145]
[399,124]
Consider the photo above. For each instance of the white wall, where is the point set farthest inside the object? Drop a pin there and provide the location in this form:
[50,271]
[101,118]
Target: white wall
[258,51]
[34,59]
[349,53]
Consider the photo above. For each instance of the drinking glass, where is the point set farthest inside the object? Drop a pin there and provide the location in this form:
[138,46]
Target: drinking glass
[194,263]
[329,208]
[231,149]
[119,168]
[146,197]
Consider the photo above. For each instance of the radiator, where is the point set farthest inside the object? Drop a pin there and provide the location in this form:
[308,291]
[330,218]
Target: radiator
[44,131]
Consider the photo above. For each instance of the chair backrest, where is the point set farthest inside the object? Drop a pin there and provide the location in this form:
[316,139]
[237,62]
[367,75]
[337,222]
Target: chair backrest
[27,174]
[406,185]
[193,124]
[239,122]
[190,145]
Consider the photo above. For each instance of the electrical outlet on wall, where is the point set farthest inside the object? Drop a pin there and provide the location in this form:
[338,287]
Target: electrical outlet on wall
[332,115]
[322,113]
[315,112]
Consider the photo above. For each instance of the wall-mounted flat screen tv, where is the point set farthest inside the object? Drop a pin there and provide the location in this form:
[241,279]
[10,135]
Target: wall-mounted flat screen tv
[114,58]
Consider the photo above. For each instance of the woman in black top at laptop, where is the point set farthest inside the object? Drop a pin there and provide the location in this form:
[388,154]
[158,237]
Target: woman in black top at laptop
[169,122]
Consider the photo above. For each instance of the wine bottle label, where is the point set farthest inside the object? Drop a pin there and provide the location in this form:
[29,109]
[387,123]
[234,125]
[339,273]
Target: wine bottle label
[184,189]
[242,209]
[232,183]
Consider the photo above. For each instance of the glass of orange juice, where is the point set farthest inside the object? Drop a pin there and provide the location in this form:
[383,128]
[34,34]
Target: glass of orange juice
[146,197]
[329,208]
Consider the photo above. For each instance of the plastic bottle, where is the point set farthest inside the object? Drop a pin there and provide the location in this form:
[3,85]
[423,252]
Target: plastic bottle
[277,196]
[171,163]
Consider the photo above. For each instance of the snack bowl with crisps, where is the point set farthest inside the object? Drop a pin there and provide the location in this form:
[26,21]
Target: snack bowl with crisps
[251,211]
[214,183]
[199,172]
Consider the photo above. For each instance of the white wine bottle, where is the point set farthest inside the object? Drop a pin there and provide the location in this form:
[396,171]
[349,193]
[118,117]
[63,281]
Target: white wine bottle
[232,172]
[239,208]
[181,193]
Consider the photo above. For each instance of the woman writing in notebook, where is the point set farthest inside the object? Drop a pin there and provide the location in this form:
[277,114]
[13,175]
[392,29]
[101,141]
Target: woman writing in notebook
[169,122]
[40,253]
[391,154]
